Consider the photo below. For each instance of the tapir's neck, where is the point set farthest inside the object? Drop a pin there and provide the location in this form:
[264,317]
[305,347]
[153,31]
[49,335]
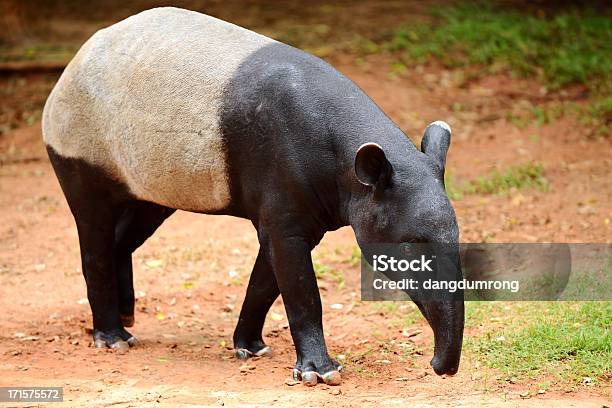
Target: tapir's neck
[291,121]
[363,122]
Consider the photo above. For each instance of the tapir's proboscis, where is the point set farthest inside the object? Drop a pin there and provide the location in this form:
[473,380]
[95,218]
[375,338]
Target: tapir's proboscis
[172,109]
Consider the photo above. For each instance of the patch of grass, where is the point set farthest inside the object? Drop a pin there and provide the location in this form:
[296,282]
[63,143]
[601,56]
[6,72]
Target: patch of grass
[517,177]
[595,116]
[483,312]
[453,190]
[521,121]
[589,280]
[354,259]
[325,272]
[568,340]
[570,47]
[403,314]
[38,52]
[545,115]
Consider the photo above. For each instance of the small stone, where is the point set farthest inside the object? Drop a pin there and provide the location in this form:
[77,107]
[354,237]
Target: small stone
[409,333]
[276,316]
[31,338]
[291,382]
[421,374]
[246,368]
[336,391]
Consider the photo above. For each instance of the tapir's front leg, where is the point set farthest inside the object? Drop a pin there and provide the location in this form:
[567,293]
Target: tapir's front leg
[297,282]
[260,295]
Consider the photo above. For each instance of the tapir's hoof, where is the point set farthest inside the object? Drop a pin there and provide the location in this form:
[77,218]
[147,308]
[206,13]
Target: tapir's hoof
[244,354]
[311,378]
[133,342]
[332,378]
[119,340]
[99,343]
[127,320]
[120,345]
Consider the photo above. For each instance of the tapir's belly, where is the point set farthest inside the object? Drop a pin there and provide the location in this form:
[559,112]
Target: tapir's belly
[141,100]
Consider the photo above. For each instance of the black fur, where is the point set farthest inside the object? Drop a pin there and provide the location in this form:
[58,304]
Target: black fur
[111,224]
[292,126]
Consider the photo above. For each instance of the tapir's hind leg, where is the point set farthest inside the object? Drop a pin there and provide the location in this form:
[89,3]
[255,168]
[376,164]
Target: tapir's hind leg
[96,201]
[137,223]
[96,238]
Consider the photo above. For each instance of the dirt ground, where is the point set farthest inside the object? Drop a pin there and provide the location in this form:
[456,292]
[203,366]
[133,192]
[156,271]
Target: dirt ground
[191,276]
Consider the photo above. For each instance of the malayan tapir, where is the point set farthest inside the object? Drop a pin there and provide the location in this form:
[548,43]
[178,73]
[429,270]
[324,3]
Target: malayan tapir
[172,109]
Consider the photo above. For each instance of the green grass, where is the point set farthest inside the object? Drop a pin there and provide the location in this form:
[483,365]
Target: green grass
[568,48]
[565,340]
[595,115]
[330,274]
[554,343]
[517,177]
[39,52]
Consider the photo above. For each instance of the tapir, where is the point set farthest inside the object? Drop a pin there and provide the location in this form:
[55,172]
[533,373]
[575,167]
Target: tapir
[172,109]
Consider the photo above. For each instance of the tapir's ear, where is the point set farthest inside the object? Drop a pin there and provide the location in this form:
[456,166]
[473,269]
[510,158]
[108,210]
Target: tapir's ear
[371,165]
[436,141]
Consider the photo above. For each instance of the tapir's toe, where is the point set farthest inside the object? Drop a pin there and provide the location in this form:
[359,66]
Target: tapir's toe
[310,377]
[245,354]
[332,378]
[118,339]
[246,347]
[120,345]
[133,342]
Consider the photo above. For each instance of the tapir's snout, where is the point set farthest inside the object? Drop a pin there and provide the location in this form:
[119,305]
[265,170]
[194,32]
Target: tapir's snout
[445,314]
[447,326]
[440,369]
[446,318]
[444,365]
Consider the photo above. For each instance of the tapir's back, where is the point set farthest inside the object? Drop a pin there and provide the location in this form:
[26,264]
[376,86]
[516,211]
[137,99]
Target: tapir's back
[141,100]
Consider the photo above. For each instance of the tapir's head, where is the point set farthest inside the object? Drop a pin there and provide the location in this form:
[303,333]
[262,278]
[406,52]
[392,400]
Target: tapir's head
[402,200]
